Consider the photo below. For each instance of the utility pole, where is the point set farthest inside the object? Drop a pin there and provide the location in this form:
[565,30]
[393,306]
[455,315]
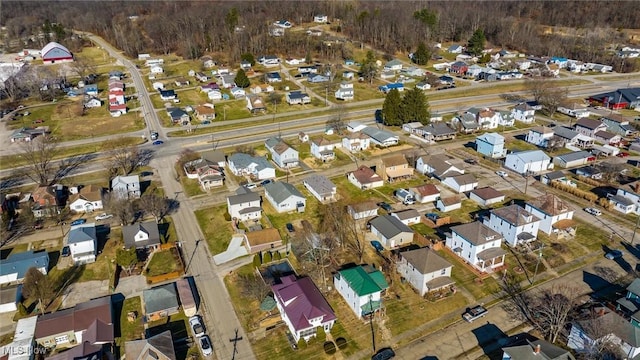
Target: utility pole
[373,336]
[633,237]
[235,340]
[533,279]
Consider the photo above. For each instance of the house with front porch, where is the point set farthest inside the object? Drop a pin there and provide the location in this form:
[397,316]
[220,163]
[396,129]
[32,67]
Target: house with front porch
[321,187]
[465,123]
[284,197]
[395,168]
[365,178]
[514,223]
[436,131]
[540,136]
[477,245]
[491,145]
[486,118]
[589,127]
[356,142]
[619,125]
[257,167]
[244,205]
[362,288]
[566,137]
[281,153]
[424,269]
[323,149]
[554,213]
[607,138]
[524,113]
[88,199]
[390,231]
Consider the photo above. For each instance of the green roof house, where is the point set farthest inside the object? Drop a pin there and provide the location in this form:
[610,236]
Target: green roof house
[362,288]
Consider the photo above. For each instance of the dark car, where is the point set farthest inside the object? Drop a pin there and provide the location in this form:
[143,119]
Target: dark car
[265,182]
[38,225]
[471,161]
[78,222]
[386,207]
[384,354]
[378,116]
[65,251]
[290,227]
[376,245]
[158,142]
[613,254]
[206,122]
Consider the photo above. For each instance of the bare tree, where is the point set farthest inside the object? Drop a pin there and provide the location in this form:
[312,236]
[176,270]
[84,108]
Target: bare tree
[39,154]
[124,157]
[337,120]
[38,286]
[253,286]
[121,207]
[598,327]
[156,205]
[82,67]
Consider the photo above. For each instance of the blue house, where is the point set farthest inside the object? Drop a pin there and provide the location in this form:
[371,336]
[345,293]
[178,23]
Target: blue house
[91,90]
[388,87]
[491,145]
[317,78]
[15,266]
[167,94]
[273,77]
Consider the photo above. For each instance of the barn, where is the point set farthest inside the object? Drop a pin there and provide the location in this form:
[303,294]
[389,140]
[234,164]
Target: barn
[55,53]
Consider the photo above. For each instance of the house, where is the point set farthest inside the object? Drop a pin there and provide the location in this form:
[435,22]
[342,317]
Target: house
[362,288]
[572,159]
[238,93]
[396,168]
[465,123]
[142,235]
[321,187]
[514,223]
[425,193]
[244,205]
[178,116]
[363,210]
[459,67]
[317,78]
[390,231]
[205,112]
[160,302]
[303,137]
[302,307]
[261,88]
[158,347]
[323,149]
[208,173]
[345,91]
[628,98]
[436,131]
[491,145]
[540,136]
[486,118]
[425,270]
[554,213]
[414,71]
[126,186]
[297,97]
[589,171]
[438,166]
[54,53]
[630,191]
[88,199]
[574,110]
[380,137]
[255,104]
[46,201]
[589,127]
[449,203]
[356,142]
[10,297]
[180,82]
[262,240]
[477,245]
[455,49]
[91,90]
[365,178]
[506,118]
[535,350]
[423,85]
[407,216]
[93,102]
[322,19]
[566,137]
[486,196]
[619,125]
[393,65]
[558,176]
[273,77]
[16,265]
[269,60]
[602,325]
[202,77]
[255,166]
[83,243]
[151,62]
[284,197]
[622,204]
[227,81]
[524,113]
[526,162]
[283,24]
[168,95]
[156,69]
[84,327]
[282,154]
[461,183]
[388,87]
[210,87]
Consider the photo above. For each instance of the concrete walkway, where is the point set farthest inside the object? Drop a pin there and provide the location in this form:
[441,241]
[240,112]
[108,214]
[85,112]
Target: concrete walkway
[234,251]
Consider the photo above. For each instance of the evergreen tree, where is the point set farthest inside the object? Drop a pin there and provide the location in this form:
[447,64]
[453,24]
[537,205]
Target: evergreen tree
[422,54]
[369,69]
[428,18]
[414,107]
[242,80]
[476,43]
[391,109]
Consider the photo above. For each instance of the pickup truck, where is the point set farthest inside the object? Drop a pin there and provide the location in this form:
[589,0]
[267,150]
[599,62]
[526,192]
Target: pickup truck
[474,313]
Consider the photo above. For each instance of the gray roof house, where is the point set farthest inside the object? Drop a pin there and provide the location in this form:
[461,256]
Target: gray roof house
[381,137]
[465,123]
[126,186]
[425,270]
[83,243]
[160,302]
[321,187]
[536,350]
[257,167]
[158,347]
[15,266]
[281,153]
[284,197]
[141,235]
[391,231]
[245,205]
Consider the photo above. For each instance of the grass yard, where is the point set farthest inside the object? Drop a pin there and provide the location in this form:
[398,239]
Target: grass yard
[95,55]
[178,67]
[191,97]
[464,214]
[191,186]
[103,268]
[389,188]
[131,330]
[465,278]
[351,194]
[168,230]
[365,91]
[519,145]
[279,220]
[217,231]
[424,230]
[162,262]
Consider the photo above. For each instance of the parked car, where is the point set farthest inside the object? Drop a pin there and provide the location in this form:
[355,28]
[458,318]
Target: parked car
[613,254]
[592,211]
[265,182]
[290,227]
[38,225]
[65,251]
[78,222]
[623,155]
[196,326]
[104,216]
[158,142]
[386,207]
[471,161]
[205,345]
[206,122]
[154,135]
[502,173]
[384,354]
[251,185]
[377,245]
[474,313]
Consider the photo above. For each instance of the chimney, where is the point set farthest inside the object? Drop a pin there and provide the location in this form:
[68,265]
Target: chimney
[536,350]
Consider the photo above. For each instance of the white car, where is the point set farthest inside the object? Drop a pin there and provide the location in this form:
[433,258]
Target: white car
[592,211]
[251,186]
[205,345]
[502,173]
[104,216]
[196,326]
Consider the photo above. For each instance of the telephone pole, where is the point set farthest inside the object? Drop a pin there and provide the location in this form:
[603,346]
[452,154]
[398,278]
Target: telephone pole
[235,340]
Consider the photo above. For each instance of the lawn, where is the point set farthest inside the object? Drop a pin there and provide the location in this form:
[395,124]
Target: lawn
[519,145]
[424,230]
[191,97]
[162,262]
[340,159]
[94,55]
[217,231]
[389,188]
[168,230]
[465,213]
[279,220]
[351,194]
[131,330]
[465,278]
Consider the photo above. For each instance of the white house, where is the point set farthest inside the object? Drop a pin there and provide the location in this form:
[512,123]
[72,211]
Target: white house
[297,97]
[477,245]
[365,178]
[281,153]
[390,231]
[524,113]
[448,203]
[425,193]
[255,166]
[321,187]
[93,103]
[363,210]
[83,243]
[589,127]
[302,307]
[323,149]
[486,118]
[526,162]
[126,186]
[491,145]
[630,191]
[356,142]
[622,204]
[554,213]
[345,91]
[425,270]
[361,288]
[214,95]
[381,137]
[437,166]
[574,110]
[393,65]
[486,196]
[16,265]
[407,216]
[321,19]
[156,69]
[88,199]
[284,197]
[244,205]
[515,224]
[461,183]
[540,136]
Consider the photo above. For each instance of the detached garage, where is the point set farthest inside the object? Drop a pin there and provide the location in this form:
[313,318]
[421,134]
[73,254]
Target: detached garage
[55,53]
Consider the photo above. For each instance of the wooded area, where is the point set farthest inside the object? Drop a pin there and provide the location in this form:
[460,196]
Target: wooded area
[229,29]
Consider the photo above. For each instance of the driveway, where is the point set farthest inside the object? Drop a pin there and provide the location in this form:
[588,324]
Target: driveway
[234,251]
